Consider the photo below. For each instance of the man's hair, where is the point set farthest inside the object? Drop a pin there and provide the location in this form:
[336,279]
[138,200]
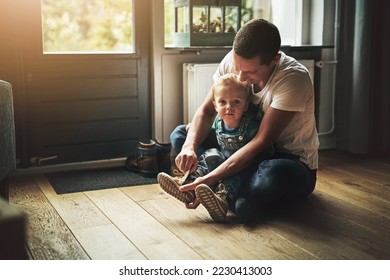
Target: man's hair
[257,37]
[232,80]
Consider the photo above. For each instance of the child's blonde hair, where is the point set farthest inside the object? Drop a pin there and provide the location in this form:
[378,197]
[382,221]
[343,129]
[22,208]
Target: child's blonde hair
[232,80]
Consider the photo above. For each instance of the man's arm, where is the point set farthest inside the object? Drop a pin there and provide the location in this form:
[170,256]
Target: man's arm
[272,125]
[197,133]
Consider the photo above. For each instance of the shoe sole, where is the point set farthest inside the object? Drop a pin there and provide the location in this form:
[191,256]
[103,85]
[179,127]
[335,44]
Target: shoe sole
[209,201]
[168,184]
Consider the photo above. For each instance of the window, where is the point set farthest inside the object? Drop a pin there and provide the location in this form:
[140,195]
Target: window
[285,14]
[87,26]
[292,17]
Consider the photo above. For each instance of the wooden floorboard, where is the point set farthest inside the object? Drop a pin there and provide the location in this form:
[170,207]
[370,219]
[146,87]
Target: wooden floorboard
[357,166]
[153,239]
[48,237]
[92,228]
[347,217]
[219,241]
[329,235]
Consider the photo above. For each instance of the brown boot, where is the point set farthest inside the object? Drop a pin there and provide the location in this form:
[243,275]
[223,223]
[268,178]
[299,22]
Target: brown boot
[145,160]
[215,203]
[163,152]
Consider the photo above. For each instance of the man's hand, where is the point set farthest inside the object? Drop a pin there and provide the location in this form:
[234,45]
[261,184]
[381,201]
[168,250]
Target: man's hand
[187,160]
[191,187]
[193,205]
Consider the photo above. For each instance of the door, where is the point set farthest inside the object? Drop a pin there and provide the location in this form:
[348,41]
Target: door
[83,106]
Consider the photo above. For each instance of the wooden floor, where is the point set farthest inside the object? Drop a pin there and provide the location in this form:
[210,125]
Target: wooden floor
[347,217]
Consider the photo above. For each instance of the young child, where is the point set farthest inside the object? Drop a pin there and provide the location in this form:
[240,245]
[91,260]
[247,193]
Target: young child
[233,128]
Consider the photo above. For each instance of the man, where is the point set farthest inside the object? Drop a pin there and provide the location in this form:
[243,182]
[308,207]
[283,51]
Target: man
[285,96]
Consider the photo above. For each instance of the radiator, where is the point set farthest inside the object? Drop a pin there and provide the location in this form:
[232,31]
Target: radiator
[198,79]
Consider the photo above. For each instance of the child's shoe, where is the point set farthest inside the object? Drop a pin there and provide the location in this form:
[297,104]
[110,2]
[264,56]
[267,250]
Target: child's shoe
[215,203]
[171,186]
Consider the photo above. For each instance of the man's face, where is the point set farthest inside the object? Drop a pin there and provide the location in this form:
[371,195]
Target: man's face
[252,70]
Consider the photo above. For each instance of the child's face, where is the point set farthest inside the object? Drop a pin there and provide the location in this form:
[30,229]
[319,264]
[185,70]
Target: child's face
[230,103]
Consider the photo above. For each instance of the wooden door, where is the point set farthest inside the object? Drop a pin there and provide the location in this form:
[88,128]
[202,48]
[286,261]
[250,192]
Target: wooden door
[80,107]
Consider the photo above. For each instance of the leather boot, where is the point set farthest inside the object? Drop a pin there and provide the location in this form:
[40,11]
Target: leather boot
[145,160]
[163,152]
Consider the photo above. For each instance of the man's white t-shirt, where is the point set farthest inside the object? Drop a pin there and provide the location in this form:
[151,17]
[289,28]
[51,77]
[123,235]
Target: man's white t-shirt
[290,89]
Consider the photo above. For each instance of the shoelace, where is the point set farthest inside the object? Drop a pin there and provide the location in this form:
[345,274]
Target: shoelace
[180,180]
[222,192]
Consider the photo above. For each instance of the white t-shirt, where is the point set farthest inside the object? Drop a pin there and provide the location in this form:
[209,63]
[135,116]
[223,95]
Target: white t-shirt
[290,89]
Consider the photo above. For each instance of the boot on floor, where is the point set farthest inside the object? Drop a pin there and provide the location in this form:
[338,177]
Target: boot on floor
[145,159]
[163,153]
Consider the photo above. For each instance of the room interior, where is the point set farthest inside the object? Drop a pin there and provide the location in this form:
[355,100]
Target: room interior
[51,94]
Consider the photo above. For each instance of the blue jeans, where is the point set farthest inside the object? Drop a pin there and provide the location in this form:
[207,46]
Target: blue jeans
[282,178]
[179,135]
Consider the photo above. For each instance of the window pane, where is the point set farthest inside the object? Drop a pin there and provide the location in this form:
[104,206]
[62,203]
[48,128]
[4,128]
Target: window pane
[231,24]
[87,26]
[216,20]
[182,20]
[200,16]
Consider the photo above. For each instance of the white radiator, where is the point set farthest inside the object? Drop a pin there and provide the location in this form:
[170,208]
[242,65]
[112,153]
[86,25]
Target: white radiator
[198,79]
